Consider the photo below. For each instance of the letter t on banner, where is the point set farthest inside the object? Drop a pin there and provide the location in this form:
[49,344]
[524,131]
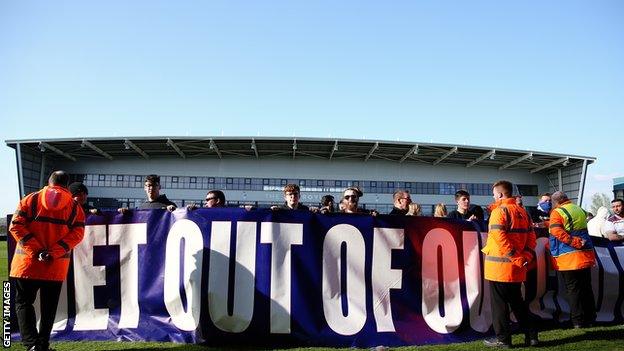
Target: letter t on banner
[282,236]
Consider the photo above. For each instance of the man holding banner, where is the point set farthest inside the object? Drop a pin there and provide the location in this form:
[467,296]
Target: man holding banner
[510,247]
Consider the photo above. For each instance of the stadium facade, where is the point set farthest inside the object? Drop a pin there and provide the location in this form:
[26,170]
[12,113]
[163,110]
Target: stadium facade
[254,170]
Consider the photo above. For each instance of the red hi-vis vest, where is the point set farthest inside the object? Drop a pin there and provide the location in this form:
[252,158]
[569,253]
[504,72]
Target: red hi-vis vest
[568,229]
[45,220]
[511,242]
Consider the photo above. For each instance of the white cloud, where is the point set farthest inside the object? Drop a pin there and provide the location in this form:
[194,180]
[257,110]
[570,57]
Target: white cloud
[606,177]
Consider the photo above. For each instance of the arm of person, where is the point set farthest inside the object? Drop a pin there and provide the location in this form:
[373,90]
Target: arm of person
[21,233]
[557,229]
[531,243]
[609,232]
[76,232]
[498,232]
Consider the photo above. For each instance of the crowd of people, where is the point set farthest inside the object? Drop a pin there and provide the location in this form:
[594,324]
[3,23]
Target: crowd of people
[50,222]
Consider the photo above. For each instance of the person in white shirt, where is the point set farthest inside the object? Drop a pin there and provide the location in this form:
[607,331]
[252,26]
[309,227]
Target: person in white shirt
[613,228]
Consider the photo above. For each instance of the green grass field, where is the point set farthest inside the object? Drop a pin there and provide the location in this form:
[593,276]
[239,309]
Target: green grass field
[597,338]
[4,264]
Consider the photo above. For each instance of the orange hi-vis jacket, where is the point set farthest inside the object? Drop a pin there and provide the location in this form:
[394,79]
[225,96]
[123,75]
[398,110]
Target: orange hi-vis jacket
[568,229]
[50,220]
[510,243]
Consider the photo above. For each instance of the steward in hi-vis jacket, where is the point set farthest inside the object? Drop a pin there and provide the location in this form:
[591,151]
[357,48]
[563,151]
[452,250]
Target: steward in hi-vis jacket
[573,256]
[509,249]
[46,226]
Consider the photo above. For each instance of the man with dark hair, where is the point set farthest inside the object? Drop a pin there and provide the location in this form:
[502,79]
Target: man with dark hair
[572,254]
[155,200]
[46,226]
[613,227]
[542,212]
[79,193]
[462,198]
[327,204]
[401,199]
[214,198]
[292,195]
[510,247]
[350,200]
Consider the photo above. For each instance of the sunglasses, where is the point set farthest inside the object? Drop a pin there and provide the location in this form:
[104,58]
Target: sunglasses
[210,198]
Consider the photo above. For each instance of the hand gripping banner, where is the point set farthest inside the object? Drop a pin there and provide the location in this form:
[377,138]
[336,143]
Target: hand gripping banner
[231,277]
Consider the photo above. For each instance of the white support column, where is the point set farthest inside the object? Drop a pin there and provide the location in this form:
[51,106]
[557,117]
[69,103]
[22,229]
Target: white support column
[20,175]
[42,172]
[581,190]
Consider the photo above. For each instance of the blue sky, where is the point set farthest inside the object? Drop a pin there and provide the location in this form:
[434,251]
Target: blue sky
[545,76]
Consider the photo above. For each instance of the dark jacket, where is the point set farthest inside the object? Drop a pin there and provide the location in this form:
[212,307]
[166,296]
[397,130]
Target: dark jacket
[87,210]
[458,215]
[161,202]
[398,211]
[475,210]
[300,206]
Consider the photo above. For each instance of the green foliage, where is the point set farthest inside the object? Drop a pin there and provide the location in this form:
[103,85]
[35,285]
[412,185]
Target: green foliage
[599,200]
[4,263]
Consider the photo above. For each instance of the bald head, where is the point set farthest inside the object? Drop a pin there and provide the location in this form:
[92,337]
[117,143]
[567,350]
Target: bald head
[59,178]
[558,197]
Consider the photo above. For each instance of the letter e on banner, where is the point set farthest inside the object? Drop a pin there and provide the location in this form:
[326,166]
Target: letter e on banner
[86,276]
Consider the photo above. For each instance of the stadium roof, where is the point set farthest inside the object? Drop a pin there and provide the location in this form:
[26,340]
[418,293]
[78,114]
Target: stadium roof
[279,147]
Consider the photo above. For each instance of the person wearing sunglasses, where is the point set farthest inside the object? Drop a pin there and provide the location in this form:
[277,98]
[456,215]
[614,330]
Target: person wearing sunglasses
[402,200]
[214,198]
[350,200]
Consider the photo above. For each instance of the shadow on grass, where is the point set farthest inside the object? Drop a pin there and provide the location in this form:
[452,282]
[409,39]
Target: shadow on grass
[588,335]
[195,347]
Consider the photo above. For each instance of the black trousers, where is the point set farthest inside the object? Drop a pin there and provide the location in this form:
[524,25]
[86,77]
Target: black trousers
[580,296]
[25,294]
[504,296]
